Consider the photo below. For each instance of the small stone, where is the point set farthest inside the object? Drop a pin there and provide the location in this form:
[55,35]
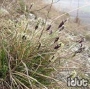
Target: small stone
[3,12]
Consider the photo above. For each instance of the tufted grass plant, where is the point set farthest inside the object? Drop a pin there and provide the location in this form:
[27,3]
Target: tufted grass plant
[24,57]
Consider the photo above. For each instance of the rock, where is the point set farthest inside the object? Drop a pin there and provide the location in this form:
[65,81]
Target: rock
[76,48]
[22,16]
[31,16]
[89,59]
[3,12]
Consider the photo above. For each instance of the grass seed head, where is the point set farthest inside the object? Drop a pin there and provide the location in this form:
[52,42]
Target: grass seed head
[57,46]
[61,28]
[36,27]
[24,37]
[61,24]
[56,39]
[50,32]
[31,5]
[39,46]
[48,28]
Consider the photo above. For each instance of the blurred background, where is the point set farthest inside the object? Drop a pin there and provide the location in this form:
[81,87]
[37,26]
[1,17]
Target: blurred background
[67,5]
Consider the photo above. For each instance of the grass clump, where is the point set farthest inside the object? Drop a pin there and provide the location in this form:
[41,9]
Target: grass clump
[24,56]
